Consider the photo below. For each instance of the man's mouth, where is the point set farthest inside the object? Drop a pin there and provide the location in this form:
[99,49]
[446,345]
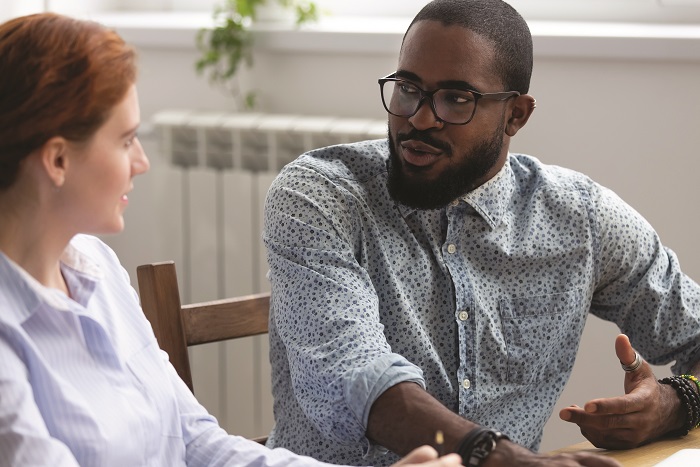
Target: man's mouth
[419,154]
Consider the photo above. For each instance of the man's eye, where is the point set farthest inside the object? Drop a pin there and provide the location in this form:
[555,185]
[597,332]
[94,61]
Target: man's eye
[458,97]
[407,88]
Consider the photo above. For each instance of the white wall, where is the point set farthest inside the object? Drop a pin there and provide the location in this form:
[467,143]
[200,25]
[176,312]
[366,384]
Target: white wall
[631,124]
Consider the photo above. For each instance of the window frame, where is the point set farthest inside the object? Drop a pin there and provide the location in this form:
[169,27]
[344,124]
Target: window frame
[647,11]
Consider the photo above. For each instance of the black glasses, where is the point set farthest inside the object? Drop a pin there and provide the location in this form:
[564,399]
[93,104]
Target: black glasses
[456,106]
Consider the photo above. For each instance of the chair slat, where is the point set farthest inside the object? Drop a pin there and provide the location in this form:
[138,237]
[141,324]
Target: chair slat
[226,319]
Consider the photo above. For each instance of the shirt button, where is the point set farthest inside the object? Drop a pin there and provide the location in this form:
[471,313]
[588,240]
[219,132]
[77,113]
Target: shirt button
[463,316]
[451,248]
[454,203]
[466,384]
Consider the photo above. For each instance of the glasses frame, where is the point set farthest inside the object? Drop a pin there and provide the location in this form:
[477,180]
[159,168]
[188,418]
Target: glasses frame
[498,96]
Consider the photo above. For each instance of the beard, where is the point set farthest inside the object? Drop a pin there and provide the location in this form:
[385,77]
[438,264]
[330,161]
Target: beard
[465,172]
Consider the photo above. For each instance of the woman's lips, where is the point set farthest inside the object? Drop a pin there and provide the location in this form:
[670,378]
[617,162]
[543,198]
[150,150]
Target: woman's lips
[125,196]
[125,199]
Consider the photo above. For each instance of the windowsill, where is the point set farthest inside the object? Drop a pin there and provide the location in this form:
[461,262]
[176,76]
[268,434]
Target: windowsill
[383,36]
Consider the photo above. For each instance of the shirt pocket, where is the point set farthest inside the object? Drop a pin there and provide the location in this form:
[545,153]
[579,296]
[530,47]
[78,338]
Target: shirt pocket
[542,335]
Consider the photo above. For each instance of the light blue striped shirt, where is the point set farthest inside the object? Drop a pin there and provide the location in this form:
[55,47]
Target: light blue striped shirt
[83,382]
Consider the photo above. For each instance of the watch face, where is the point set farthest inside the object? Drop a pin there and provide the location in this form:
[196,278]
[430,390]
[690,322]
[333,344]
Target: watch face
[481,450]
[483,446]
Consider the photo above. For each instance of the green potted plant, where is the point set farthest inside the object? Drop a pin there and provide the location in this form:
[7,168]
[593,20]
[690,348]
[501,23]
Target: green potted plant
[228,44]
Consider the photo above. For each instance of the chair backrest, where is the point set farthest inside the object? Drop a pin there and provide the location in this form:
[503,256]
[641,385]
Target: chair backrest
[178,326]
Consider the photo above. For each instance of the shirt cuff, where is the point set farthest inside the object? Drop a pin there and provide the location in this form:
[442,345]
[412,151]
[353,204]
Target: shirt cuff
[364,385]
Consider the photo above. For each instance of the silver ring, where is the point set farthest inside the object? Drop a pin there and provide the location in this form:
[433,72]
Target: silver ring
[635,364]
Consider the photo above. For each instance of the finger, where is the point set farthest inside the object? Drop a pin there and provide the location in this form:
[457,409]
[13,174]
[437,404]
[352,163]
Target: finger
[621,405]
[608,424]
[448,460]
[593,460]
[567,413]
[601,422]
[623,349]
[418,455]
[637,370]
[585,459]
[426,456]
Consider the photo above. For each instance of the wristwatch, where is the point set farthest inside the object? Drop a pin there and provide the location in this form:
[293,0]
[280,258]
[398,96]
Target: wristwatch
[482,446]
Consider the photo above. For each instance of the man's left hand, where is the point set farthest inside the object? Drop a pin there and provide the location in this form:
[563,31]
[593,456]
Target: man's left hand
[647,411]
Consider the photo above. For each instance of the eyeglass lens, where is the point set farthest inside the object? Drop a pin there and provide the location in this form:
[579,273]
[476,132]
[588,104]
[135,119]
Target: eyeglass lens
[451,105]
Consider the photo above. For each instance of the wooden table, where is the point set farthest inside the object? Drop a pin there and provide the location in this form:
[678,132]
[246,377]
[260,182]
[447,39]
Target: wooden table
[645,456]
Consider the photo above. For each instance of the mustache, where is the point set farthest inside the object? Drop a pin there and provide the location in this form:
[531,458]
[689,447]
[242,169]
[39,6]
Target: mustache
[424,137]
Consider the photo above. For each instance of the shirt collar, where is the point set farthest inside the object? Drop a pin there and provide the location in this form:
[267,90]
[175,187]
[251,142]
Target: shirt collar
[26,294]
[489,200]
[81,273]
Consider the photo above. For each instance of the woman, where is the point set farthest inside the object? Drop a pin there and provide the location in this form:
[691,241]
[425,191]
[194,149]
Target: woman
[82,380]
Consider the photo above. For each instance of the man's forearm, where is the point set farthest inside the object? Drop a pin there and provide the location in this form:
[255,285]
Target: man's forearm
[405,416]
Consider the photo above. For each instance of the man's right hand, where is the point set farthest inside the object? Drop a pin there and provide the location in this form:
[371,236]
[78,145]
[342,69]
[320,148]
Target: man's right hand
[509,454]
[406,416]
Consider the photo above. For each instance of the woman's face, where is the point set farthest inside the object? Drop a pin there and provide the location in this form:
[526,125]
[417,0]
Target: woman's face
[100,172]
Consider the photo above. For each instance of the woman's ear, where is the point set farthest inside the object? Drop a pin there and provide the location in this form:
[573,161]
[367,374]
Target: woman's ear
[523,106]
[54,160]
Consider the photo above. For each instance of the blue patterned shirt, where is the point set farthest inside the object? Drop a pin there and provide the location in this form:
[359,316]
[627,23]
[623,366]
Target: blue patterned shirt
[83,382]
[482,302]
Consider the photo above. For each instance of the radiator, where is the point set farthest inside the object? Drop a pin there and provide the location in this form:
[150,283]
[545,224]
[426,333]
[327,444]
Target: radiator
[224,164]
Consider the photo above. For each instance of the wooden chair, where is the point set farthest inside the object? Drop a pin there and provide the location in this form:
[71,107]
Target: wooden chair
[178,326]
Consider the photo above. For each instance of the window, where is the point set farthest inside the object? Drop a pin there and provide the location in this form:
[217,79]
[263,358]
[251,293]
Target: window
[645,11]
[681,11]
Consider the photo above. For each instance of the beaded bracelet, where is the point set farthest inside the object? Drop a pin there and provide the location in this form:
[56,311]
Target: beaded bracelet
[694,398]
[693,379]
[690,399]
[697,383]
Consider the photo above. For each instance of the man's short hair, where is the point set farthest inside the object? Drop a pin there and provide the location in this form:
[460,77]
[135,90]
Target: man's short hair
[500,24]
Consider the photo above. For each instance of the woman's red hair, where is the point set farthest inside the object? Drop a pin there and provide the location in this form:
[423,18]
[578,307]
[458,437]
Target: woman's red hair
[59,76]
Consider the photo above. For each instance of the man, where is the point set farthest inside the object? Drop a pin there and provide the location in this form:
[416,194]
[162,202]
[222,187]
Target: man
[433,281]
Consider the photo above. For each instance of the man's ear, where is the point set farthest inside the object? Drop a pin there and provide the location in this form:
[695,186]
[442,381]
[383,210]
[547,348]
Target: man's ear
[54,160]
[522,108]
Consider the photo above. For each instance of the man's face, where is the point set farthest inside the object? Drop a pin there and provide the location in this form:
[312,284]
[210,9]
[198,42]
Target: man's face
[432,163]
